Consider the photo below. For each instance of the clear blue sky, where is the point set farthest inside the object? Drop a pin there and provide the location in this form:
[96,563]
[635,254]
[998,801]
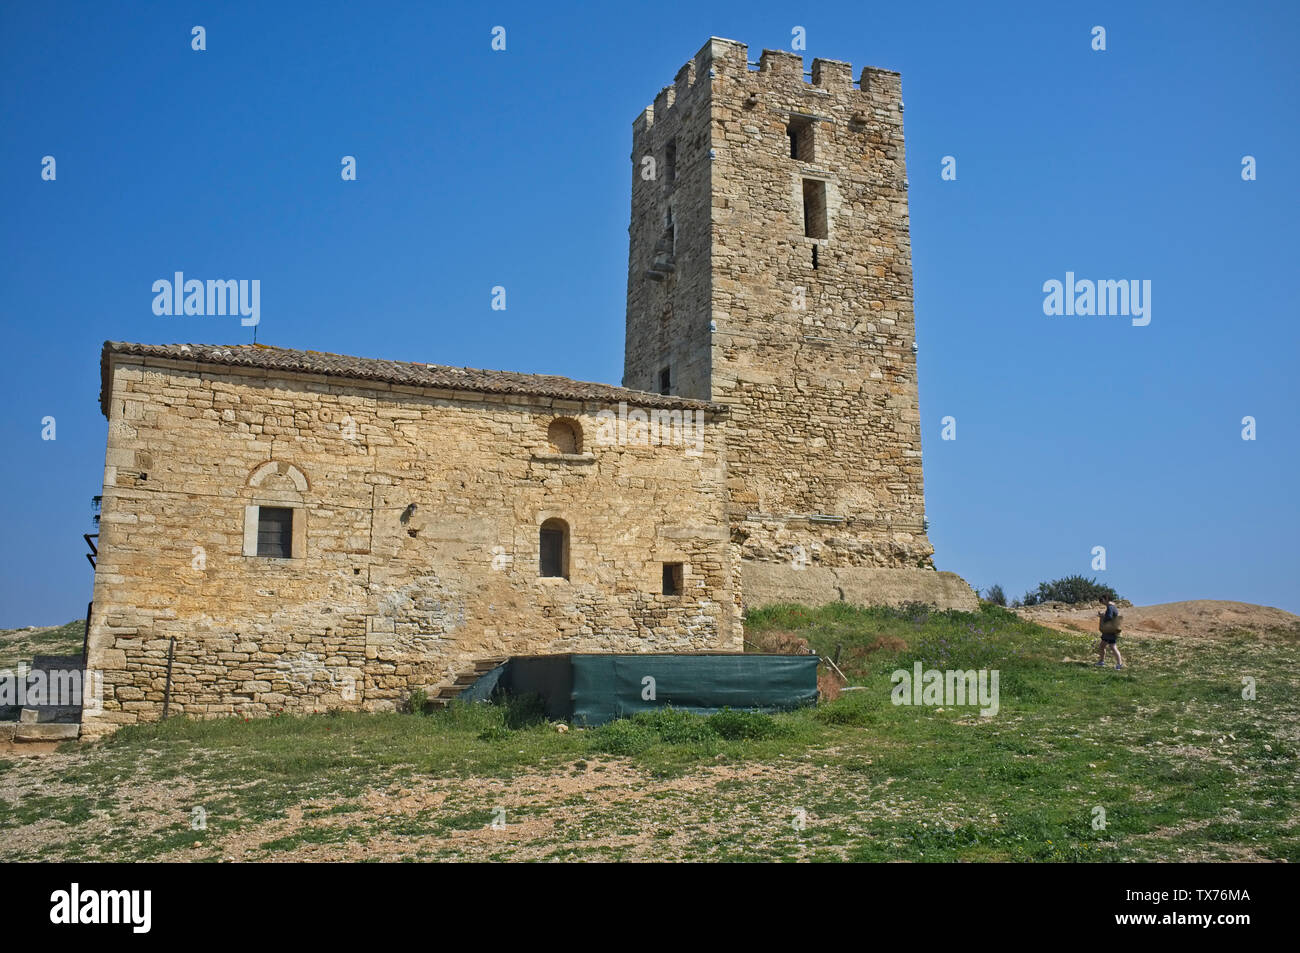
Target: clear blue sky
[479,168]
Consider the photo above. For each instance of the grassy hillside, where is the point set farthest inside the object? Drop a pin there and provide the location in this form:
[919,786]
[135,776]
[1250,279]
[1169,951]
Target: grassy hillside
[1183,767]
[19,645]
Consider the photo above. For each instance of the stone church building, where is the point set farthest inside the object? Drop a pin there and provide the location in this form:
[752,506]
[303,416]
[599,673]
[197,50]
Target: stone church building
[294,530]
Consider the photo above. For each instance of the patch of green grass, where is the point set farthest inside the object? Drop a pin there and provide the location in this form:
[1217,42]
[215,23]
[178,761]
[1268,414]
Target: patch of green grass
[669,741]
[333,809]
[468,821]
[354,833]
[748,725]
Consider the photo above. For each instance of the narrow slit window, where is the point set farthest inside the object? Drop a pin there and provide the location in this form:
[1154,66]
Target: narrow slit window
[665,381]
[814,256]
[670,161]
[673,579]
[814,208]
[275,531]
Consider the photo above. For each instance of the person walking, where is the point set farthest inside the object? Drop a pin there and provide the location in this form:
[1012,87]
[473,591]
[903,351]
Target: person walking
[1108,620]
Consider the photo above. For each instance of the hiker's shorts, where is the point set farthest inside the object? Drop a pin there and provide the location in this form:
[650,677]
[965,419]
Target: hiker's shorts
[1109,637]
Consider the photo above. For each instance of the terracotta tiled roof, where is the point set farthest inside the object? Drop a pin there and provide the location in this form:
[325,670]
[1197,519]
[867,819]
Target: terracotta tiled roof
[438,376]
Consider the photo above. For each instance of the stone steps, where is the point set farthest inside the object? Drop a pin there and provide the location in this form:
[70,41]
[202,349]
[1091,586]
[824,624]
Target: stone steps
[33,727]
[446,694]
[48,722]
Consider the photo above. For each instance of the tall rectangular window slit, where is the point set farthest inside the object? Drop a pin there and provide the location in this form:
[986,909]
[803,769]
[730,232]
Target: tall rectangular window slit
[814,208]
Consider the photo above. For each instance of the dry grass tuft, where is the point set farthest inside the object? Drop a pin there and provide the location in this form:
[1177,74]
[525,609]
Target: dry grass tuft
[829,684]
[778,642]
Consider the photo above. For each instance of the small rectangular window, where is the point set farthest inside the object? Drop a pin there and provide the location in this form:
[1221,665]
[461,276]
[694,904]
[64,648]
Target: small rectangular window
[275,531]
[800,131]
[665,381]
[552,553]
[814,208]
[673,577]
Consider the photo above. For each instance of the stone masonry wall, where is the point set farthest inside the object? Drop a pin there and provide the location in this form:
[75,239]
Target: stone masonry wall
[815,362]
[415,541]
[668,276]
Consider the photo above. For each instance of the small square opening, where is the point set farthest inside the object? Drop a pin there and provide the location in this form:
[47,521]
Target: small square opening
[800,132]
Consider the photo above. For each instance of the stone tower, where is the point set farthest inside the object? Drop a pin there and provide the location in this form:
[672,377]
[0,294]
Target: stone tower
[770,270]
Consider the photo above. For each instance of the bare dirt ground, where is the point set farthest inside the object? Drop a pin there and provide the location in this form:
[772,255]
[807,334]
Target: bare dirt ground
[25,749]
[1198,620]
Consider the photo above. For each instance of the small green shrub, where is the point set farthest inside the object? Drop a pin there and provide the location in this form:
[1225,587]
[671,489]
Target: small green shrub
[995,595]
[471,717]
[746,725]
[623,737]
[1075,590]
[671,727]
[677,727]
[522,711]
[417,701]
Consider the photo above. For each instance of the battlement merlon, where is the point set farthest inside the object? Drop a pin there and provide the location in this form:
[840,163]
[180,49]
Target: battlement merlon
[881,89]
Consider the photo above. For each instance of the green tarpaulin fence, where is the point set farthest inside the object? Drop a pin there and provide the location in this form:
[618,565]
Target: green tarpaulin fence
[593,689]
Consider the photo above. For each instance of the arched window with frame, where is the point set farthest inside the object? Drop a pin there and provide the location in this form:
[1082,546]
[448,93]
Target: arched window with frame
[275,525]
